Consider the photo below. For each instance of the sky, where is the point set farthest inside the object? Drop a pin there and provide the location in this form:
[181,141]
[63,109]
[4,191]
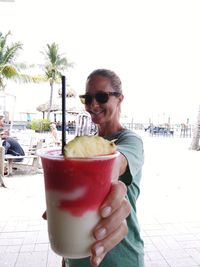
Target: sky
[153,45]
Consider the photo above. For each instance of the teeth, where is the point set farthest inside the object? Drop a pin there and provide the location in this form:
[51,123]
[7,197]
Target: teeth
[97,112]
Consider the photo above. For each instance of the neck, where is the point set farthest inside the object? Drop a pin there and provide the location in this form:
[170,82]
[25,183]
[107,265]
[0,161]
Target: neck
[104,130]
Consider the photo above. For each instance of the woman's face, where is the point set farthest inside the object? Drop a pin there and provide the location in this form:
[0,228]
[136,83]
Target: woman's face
[102,113]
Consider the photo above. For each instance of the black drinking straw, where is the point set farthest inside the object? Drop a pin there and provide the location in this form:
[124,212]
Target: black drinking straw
[63,114]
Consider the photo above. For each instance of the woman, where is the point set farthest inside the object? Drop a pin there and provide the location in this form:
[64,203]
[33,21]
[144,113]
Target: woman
[118,242]
[54,134]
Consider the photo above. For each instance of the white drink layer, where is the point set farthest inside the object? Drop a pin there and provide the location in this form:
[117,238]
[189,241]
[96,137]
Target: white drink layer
[70,236]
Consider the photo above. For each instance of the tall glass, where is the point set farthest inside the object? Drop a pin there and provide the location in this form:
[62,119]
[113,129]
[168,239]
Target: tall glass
[74,188]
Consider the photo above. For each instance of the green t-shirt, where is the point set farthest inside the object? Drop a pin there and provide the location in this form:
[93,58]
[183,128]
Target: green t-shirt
[129,252]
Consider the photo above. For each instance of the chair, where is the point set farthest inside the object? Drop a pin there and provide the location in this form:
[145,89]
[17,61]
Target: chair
[2,166]
[31,160]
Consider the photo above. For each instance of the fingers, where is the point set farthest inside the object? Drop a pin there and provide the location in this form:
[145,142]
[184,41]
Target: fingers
[112,228]
[110,224]
[114,199]
[100,248]
[96,260]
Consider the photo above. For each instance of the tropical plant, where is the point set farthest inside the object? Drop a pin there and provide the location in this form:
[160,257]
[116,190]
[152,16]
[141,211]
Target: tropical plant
[196,134]
[9,67]
[40,125]
[55,64]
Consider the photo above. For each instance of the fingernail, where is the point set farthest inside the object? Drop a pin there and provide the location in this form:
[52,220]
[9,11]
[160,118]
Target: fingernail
[98,260]
[105,212]
[99,250]
[100,233]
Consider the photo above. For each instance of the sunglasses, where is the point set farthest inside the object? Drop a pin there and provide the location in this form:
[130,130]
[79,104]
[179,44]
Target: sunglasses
[101,97]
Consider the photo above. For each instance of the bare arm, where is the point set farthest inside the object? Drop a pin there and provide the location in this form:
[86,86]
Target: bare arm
[120,167]
[122,161]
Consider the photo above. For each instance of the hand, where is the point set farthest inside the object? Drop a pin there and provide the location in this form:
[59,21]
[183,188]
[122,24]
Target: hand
[112,227]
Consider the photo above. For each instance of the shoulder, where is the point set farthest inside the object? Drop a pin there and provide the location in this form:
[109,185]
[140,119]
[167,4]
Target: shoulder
[11,140]
[128,136]
[130,145]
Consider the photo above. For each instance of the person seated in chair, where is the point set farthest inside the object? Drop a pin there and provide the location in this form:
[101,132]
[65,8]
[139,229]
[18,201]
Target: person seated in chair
[11,145]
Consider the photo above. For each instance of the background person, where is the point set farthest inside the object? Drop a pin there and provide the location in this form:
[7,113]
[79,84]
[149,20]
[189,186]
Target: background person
[54,134]
[11,145]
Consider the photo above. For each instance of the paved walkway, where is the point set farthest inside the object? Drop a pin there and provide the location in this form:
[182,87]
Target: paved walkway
[167,208]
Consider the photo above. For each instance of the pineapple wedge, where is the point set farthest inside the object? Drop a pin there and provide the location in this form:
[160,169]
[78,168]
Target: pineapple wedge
[89,146]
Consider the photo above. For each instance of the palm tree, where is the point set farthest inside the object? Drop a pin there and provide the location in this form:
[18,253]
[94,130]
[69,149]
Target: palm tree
[9,68]
[196,134]
[54,66]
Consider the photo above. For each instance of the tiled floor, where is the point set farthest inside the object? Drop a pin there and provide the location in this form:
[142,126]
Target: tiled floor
[168,205]
[168,210]
[23,234]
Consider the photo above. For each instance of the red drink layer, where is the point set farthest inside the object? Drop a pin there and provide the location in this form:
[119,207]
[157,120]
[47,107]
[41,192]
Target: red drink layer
[83,182]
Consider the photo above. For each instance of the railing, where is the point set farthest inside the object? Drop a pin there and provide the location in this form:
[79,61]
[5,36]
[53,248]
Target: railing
[181,130]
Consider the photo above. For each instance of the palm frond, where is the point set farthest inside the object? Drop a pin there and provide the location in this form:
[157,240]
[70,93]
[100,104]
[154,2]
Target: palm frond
[11,53]
[9,68]
[3,40]
[23,65]
[9,71]
[8,53]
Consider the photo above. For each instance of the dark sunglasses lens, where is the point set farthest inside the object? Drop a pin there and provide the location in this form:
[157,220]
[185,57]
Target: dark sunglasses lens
[88,99]
[101,97]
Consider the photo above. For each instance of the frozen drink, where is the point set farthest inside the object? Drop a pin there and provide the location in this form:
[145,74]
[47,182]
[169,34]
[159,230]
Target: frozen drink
[75,188]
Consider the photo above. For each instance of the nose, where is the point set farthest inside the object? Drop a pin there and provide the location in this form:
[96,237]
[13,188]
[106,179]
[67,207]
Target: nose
[94,103]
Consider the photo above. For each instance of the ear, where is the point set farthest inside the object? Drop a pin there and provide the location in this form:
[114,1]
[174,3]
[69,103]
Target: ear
[121,98]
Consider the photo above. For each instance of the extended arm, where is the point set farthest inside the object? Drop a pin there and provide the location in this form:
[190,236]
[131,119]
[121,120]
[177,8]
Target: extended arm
[112,228]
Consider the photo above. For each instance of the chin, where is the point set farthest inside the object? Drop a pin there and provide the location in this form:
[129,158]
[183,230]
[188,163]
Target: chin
[97,120]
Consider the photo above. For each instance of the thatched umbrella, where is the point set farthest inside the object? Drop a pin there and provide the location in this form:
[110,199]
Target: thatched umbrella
[45,107]
[72,105]
[69,92]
